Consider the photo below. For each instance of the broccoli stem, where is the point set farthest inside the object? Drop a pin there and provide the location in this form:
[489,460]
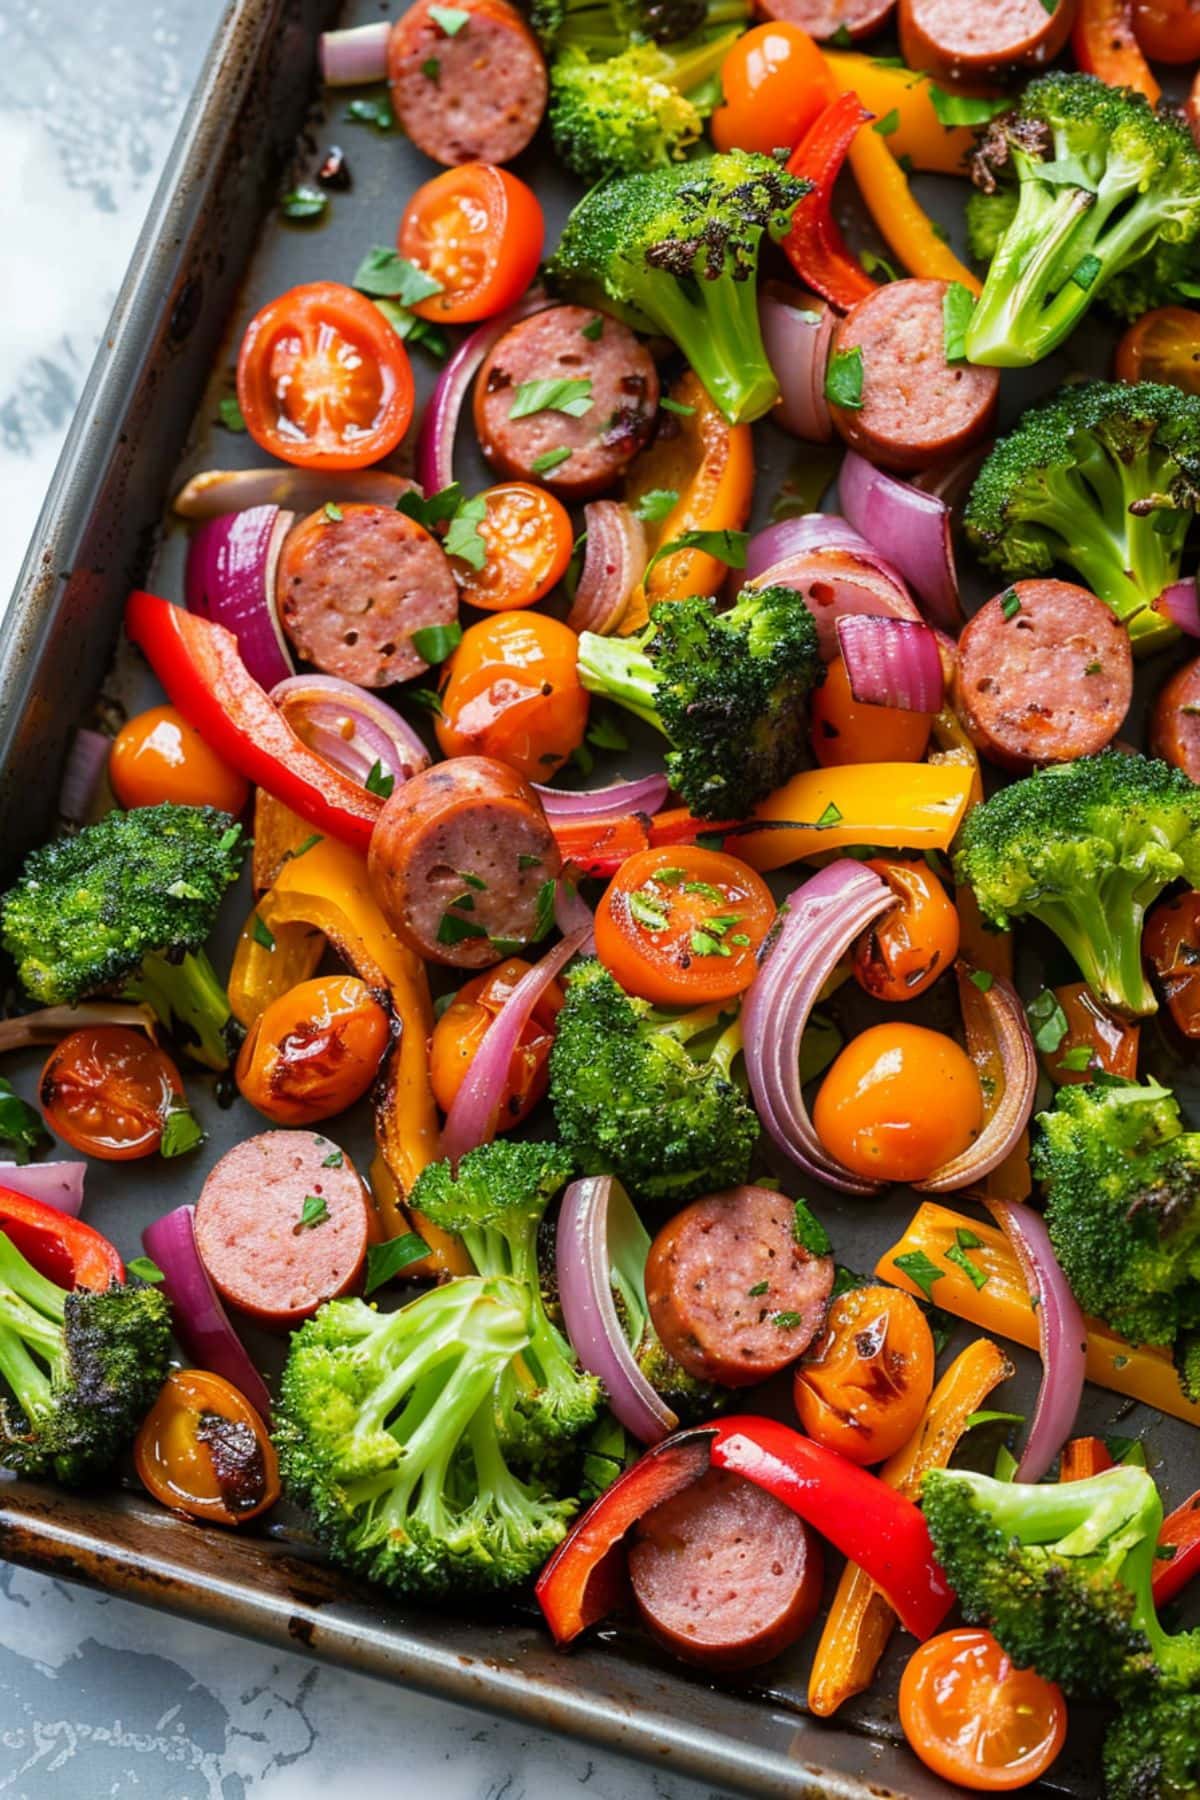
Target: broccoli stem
[189,994]
[19,1275]
[1103,932]
[29,1382]
[620,670]
[1013,324]
[719,333]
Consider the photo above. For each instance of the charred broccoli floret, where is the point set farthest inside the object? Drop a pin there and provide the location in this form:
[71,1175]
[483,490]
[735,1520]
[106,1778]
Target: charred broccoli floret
[1153,1751]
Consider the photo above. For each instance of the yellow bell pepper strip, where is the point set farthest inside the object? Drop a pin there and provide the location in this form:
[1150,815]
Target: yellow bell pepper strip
[900,99]
[898,806]
[278,833]
[268,963]
[860,1621]
[1002,1305]
[899,220]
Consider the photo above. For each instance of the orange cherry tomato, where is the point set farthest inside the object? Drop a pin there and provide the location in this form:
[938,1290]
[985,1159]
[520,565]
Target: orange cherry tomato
[974,1719]
[681,926]
[314,1051]
[842,731]
[1167,30]
[460,1031]
[158,756]
[1171,943]
[511,690]
[479,231]
[528,537]
[203,1450]
[107,1090]
[906,950]
[876,1109]
[775,83]
[1163,345]
[322,379]
[1095,1039]
[865,1384]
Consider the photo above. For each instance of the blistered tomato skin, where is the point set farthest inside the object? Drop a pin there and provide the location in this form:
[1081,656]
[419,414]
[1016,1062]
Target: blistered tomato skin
[107,1091]
[313,1052]
[905,951]
[157,756]
[203,1450]
[864,1385]
[898,1102]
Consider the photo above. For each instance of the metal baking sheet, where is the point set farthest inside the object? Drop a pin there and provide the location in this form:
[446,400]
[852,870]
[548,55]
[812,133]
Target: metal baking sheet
[213,250]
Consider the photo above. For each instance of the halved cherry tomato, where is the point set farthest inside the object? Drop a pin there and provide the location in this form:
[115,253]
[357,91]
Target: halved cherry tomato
[1163,345]
[479,231]
[528,537]
[974,1719]
[898,1102]
[843,731]
[64,1250]
[1095,1039]
[1168,30]
[314,1051]
[906,950]
[460,1031]
[775,83]
[322,379]
[681,926]
[1171,944]
[203,1450]
[864,1385]
[107,1090]
[511,690]
[158,756]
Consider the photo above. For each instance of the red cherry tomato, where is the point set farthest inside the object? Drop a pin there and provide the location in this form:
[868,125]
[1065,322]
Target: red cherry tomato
[107,1090]
[528,537]
[1163,345]
[775,84]
[479,231]
[158,756]
[460,1031]
[681,926]
[1168,30]
[974,1719]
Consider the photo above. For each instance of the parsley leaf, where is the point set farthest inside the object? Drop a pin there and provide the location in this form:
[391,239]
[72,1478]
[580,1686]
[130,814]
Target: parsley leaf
[982,979]
[726,545]
[182,1131]
[453,930]
[1085,272]
[844,379]
[303,203]
[921,1271]
[437,510]
[333,512]
[957,306]
[230,414]
[412,330]
[656,504]
[675,406]
[377,782]
[373,110]
[449,19]
[964,109]
[550,459]
[809,1232]
[1077,1058]
[334,1160]
[958,1256]
[314,1212]
[385,272]
[387,1259]
[605,734]
[145,1270]
[565,394]
[593,329]
[890,122]
[433,643]
[464,538]
[1047,1020]
[21,1127]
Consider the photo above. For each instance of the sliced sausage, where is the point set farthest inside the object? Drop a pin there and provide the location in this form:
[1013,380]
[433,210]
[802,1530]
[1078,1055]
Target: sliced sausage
[733,1294]
[1175,720]
[834,584]
[724,1574]
[973,39]
[473,92]
[916,407]
[281,1227]
[459,861]
[824,19]
[1044,674]
[620,400]
[352,589]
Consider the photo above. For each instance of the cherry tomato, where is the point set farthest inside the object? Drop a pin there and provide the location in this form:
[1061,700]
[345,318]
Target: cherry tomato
[1171,943]
[314,1051]
[1095,1039]
[875,1110]
[1168,30]
[107,1090]
[681,926]
[158,756]
[865,1384]
[203,1450]
[528,537]
[511,691]
[974,1719]
[322,379]
[842,731]
[479,231]
[460,1030]
[1163,345]
[906,950]
[775,83]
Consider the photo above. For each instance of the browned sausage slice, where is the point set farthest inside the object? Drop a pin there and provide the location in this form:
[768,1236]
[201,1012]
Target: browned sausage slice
[1044,674]
[469,92]
[824,19]
[733,1295]
[724,1574]
[460,859]
[352,590]
[619,400]
[970,39]
[916,407]
[280,1228]
[1175,720]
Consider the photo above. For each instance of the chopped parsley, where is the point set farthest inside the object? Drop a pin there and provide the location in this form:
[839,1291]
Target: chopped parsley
[314,1212]
[182,1131]
[656,504]
[809,1232]
[385,273]
[303,203]
[453,930]
[377,782]
[844,379]
[334,1160]
[1010,603]
[1047,1020]
[565,394]
[145,1270]
[387,1259]
[230,413]
[550,459]
[433,643]
[921,1271]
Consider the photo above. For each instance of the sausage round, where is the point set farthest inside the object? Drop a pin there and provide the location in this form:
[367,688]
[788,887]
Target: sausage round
[459,859]
[553,346]
[1044,674]
[724,1574]
[1175,720]
[732,1293]
[824,19]
[249,1230]
[475,94]
[352,590]
[916,407]
[969,39]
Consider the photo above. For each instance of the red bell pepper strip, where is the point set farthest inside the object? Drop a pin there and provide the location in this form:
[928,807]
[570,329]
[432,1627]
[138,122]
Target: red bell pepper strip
[814,244]
[600,846]
[64,1250]
[198,664]
[1104,44]
[1180,1533]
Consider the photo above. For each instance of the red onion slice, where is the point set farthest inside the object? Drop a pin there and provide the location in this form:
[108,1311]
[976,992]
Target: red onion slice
[810,531]
[572,915]
[1010,1110]
[593,1210]
[612,802]
[217,491]
[353,57]
[435,440]
[614,561]
[1062,1336]
[230,579]
[349,727]
[796,331]
[891,662]
[1180,603]
[834,583]
[87,760]
[201,1322]
[57,1184]
[911,527]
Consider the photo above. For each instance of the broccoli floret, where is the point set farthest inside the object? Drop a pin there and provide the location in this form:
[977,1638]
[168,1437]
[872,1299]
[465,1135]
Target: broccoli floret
[495,1201]
[612,118]
[1104,477]
[387,1436]
[1086,847]
[1122,1182]
[1152,1752]
[675,251]
[607,27]
[988,218]
[1101,180]
[648,1097]
[82,1369]
[729,690]
[124,907]
[1061,1572]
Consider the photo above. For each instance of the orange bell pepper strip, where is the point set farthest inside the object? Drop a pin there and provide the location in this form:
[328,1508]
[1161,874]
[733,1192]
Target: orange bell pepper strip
[901,99]
[900,221]
[1083,1457]
[860,1621]
[1104,44]
[1002,1305]
[898,806]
